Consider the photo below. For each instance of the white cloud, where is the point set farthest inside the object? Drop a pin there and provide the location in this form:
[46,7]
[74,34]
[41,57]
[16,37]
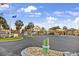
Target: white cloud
[41,7]
[38,24]
[36,14]
[58,12]
[76,21]
[31,15]
[70,23]
[5,5]
[69,13]
[21,9]
[68,20]
[28,9]
[56,24]
[73,13]
[51,19]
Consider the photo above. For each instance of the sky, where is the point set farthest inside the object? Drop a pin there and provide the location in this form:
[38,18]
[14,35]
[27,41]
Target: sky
[42,14]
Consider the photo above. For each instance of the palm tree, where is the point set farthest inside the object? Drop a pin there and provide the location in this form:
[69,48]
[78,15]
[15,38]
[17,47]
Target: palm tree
[30,27]
[19,25]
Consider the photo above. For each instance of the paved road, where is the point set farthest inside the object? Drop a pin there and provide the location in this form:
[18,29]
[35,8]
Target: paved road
[15,47]
[63,43]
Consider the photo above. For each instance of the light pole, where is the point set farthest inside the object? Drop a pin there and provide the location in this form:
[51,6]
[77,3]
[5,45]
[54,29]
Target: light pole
[10,25]
[10,29]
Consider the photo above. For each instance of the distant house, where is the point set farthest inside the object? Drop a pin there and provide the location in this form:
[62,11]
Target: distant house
[39,31]
[57,32]
[76,32]
[4,33]
[60,31]
[14,33]
[36,30]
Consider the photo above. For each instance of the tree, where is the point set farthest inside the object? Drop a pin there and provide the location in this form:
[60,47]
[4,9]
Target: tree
[5,26]
[29,28]
[1,20]
[54,28]
[30,25]
[19,25]
[72,31]
[3,23]
[65,28]
[25,29]
[43,30]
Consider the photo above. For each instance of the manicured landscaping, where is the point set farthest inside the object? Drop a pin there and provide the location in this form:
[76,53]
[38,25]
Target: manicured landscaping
[10,39]
[37,51]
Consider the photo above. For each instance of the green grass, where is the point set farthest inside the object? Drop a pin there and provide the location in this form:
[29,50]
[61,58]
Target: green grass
[10,39]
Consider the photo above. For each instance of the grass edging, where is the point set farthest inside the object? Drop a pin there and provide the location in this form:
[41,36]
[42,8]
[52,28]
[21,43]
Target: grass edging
[11,39]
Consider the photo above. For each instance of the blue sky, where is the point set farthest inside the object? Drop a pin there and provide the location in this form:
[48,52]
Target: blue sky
[42,14]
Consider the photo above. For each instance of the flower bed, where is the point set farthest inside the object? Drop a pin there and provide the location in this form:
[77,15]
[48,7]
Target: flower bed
[37,51]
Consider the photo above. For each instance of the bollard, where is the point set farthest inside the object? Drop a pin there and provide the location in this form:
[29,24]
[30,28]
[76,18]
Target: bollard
[45,46]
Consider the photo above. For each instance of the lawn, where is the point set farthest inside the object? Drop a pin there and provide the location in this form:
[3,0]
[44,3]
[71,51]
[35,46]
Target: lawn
[10,39]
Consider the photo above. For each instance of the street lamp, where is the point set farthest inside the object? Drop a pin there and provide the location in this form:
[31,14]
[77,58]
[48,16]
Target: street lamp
[10,25]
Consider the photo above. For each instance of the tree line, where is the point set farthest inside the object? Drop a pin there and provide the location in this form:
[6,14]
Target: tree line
[29,28]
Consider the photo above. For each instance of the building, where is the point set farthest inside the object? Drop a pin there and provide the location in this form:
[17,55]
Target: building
[36,30]
[7,33]
[14,33]
[4,33]
[57,32]
[76,32]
